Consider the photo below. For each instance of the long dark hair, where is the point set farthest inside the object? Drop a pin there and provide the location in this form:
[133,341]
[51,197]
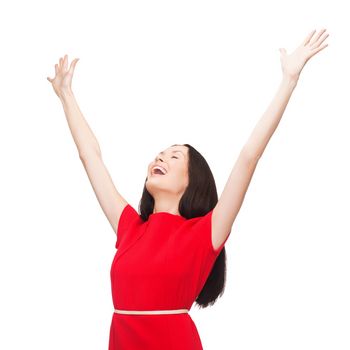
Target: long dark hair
[198,199]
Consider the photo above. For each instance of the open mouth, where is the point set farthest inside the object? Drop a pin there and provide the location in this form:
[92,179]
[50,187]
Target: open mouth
[157,170]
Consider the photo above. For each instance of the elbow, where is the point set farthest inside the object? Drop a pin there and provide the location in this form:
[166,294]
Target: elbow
[88,154]
[251,155]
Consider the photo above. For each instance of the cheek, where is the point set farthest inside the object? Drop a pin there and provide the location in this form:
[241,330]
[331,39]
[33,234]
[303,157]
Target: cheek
[181,174]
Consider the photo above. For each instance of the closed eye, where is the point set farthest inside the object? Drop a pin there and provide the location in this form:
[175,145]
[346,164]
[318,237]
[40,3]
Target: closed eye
[171,157]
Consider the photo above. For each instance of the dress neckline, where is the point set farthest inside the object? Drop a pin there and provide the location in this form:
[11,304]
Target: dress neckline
[165,213]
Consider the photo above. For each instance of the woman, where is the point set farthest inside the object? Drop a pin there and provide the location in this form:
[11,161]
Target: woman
[172,253]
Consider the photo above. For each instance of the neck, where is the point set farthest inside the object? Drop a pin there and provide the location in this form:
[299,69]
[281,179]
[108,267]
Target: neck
[166,205]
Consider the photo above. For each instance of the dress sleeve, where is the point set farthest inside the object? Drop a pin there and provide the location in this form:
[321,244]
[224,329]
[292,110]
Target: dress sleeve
[204,253]
[128,217]
[203,233]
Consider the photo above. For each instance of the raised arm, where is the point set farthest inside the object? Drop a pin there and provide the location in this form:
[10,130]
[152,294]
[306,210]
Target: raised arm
[110,200]
[236,187]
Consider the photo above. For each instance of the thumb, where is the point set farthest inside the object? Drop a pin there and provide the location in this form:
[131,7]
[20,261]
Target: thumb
[282,50]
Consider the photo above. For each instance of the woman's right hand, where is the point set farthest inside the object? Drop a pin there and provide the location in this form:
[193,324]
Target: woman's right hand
[62,82]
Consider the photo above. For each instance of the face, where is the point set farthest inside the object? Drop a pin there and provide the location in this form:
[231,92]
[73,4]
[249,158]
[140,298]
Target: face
[174,182]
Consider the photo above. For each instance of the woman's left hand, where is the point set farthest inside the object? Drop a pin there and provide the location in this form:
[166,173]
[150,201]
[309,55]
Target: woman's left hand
[293,63]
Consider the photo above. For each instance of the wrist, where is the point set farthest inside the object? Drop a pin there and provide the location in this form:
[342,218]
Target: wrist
[64,94]
[290,80]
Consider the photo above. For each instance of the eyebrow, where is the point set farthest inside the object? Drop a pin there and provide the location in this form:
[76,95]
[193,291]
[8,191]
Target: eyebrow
[174,152]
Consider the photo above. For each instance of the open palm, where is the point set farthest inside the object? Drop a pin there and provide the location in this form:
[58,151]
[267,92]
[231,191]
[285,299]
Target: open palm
[63,78]
[293,63]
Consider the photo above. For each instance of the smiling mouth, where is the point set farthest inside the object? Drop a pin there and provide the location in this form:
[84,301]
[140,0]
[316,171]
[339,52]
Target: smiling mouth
[158,170]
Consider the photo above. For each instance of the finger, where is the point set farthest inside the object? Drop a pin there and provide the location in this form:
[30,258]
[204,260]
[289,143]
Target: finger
[315,39]
[72,65]
[65,62]
[319,42]
[49,79]
[61,63]
[309,36]
[319,49]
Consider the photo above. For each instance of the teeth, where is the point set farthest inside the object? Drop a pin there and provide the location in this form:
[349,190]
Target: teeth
[160,168]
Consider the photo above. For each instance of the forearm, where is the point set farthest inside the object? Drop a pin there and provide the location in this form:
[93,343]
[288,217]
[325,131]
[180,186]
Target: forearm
[83,136]
[269,121]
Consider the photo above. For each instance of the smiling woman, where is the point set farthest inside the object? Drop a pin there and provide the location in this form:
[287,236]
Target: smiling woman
[172,253]
[168,178]
[171,238]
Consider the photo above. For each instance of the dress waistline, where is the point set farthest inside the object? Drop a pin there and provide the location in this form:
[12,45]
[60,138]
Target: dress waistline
[150,312]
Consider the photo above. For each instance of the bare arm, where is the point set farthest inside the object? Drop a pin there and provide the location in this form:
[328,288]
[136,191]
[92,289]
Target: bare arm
[292,66]
[237,184]
[110,200]
[269,121]
[83,136]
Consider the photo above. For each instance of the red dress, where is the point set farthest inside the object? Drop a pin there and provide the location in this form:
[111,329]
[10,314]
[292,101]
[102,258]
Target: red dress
[161,264]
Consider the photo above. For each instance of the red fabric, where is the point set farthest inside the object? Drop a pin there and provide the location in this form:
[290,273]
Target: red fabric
[160,264]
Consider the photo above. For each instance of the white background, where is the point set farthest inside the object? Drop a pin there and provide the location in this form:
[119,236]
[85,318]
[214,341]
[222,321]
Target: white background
[154,73]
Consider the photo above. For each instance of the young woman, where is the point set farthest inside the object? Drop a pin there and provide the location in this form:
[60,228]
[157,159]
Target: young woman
[172,252]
